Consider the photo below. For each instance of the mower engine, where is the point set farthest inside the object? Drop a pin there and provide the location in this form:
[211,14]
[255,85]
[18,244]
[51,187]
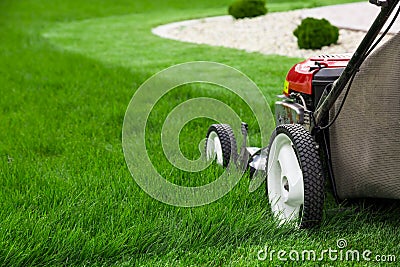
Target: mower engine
[305,83]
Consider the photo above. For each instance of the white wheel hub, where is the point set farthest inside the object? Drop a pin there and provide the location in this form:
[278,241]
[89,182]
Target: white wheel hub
[285,180]
[214,148]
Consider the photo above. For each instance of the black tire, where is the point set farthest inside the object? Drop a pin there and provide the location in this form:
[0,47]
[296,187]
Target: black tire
[227,140]
[305,148]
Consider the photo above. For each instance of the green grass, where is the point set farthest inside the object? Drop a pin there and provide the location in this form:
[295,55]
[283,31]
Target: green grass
[68,70]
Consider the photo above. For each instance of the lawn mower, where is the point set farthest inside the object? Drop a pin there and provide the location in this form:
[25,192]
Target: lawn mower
[358,152]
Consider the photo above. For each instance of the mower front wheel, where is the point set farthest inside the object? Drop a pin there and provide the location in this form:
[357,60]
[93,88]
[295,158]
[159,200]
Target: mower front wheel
[295,182]
[221,144]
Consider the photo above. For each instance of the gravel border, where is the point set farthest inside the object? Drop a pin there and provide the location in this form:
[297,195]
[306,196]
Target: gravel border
[269,34]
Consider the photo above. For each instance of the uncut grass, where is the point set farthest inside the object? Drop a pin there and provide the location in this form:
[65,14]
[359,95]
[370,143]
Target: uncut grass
[67,196]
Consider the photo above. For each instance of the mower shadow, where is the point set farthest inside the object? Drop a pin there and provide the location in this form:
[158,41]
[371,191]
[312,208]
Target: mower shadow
[363,212]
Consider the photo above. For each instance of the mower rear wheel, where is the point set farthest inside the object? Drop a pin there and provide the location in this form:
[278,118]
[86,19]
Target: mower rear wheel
[295,182]
[221,144]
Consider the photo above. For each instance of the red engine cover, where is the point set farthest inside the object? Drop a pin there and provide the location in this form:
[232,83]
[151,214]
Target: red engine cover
[300,76]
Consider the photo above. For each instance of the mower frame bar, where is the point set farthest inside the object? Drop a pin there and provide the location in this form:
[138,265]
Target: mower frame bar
[328,100]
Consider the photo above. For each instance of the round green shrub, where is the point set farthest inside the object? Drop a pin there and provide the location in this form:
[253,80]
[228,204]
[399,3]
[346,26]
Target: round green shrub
[247,9]
[315,33]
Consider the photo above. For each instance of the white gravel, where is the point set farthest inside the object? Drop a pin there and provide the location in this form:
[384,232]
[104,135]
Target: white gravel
[269,34]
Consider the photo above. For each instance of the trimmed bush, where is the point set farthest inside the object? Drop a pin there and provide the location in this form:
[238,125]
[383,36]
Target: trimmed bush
[315,33]
[247,9]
